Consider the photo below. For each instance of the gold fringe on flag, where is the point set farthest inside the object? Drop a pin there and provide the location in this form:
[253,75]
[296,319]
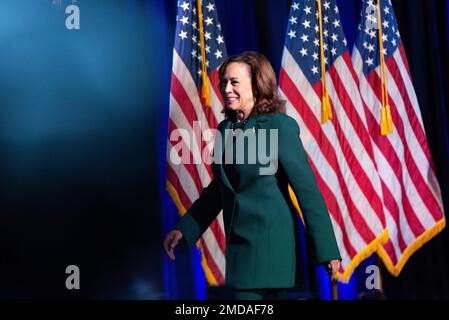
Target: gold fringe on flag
[182,210]
[386,122]
[372,247]
[205,82]
[326,110]
[395,270]
[295,203]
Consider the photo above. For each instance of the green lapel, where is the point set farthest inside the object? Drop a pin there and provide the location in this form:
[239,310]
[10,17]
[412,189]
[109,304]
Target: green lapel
[254,122]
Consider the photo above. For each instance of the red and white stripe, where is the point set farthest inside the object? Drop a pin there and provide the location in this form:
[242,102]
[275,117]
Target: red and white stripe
[188,179]
[411,194]
[341,156]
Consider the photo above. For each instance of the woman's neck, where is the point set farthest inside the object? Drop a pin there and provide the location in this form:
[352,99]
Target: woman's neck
[243,114]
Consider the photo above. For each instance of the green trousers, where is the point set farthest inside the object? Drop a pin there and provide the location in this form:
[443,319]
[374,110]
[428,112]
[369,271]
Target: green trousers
[261,294]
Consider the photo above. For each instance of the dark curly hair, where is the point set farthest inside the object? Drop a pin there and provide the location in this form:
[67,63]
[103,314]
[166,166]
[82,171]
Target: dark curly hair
[263,81]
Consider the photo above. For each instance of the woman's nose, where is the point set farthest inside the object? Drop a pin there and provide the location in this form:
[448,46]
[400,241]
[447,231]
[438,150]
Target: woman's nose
[228,87]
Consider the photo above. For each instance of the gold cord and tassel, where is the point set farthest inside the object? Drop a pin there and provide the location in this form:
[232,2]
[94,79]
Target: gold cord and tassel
[386,122]
[205,91]
[326,110]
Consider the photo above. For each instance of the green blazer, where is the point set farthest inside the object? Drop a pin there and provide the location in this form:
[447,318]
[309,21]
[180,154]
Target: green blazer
[259,216]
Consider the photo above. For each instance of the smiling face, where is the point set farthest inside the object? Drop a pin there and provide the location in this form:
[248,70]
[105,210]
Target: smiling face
[236,88]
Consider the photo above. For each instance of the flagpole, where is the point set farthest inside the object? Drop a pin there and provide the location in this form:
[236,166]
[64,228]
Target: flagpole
[380,281]
[334,288]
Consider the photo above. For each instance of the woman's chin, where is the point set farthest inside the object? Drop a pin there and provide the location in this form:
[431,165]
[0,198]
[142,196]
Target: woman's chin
[233,107]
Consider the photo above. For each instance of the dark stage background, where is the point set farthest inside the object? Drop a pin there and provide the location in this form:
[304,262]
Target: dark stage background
[83,122]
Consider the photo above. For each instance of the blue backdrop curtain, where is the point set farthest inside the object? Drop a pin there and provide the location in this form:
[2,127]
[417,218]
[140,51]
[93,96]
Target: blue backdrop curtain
[78,168]
[260,25]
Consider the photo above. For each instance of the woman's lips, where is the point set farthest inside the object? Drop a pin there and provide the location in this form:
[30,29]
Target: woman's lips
[230,100]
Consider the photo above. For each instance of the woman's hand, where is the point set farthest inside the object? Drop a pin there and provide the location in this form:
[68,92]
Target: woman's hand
[333,266]
[171,241]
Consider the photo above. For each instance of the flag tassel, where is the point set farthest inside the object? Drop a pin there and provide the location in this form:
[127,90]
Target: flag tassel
[205,91]
[326,110]
[383,122]
[389,119]
[386,122]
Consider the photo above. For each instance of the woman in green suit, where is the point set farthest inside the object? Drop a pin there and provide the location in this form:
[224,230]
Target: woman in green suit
[251,187]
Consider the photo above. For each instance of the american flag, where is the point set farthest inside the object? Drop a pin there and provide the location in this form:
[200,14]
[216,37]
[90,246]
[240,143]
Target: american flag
[411,194]
[340,150]
[193,117]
